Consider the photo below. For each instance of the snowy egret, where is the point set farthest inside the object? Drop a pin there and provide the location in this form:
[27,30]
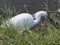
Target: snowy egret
[20,19]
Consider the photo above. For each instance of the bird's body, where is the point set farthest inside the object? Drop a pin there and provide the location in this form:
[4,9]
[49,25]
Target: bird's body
[21,19]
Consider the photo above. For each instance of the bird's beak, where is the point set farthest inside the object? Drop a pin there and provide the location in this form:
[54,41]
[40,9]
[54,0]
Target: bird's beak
[52,21]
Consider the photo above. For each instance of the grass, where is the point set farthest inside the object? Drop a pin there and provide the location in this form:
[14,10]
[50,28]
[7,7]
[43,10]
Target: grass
[45,34]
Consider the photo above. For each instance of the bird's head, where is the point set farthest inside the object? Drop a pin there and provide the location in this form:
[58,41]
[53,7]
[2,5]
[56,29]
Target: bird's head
[40,14]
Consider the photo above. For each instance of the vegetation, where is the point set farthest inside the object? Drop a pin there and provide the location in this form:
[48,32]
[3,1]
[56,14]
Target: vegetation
[44,33]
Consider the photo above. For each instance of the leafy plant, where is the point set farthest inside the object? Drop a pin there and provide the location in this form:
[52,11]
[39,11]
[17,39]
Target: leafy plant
[44,34]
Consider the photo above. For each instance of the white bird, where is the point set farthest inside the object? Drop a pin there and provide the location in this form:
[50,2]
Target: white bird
[21,19]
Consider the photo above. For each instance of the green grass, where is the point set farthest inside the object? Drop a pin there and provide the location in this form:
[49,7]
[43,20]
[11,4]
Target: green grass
[44,34]
[9,36]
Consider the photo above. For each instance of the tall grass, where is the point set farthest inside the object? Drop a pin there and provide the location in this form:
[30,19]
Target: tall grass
[43,34]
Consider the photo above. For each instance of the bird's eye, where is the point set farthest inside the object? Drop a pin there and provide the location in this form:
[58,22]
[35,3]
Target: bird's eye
[34,18]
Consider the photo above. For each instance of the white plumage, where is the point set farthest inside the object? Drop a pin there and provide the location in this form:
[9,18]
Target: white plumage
[20,19]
